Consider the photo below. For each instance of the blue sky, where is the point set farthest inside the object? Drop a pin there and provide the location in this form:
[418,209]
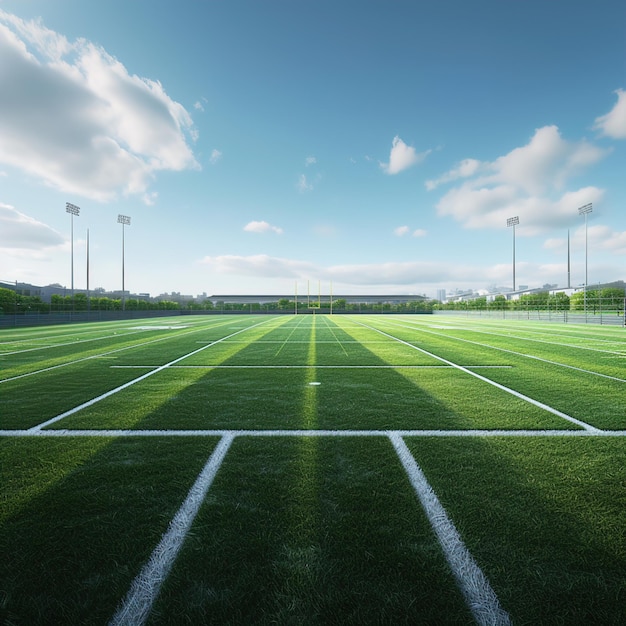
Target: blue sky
[262,145]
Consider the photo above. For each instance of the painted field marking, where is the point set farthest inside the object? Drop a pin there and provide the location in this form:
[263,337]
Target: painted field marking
[478,593]
[66,432]
[98,356]
[158,327]
[286,340]
[588,334]
[528,356]
[356,367]
[145,588]
[69,343]
[517,394]
[332,331]
[135,380]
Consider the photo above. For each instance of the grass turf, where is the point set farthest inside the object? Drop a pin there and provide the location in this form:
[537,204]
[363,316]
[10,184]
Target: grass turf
[320,529]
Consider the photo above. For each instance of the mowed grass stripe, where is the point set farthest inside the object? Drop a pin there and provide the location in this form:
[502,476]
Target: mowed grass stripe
[132,382]
[598,401]
[479,595]
[18,368]
[517,394]
[301,531]
[565,354]
[145,588]
[80,517]
[545,518]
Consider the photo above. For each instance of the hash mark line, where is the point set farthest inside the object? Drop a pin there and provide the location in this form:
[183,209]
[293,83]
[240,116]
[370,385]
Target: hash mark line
[293,330]
[146,586]
[52,420]
[517,394]
[479,595]
[332,332]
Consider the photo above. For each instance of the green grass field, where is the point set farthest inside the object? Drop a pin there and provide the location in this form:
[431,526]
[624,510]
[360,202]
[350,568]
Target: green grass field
[313,470]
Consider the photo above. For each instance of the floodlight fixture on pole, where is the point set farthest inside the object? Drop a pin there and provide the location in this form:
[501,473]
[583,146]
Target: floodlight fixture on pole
[513,221]
[124,220]
[585,210]
[73,210]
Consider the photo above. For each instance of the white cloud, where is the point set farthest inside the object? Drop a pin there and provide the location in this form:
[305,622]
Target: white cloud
[303,185]
[262,227]
[402,157]
[310,161]
[466,168]
[404,230]
[216,155]
[613,124]
[261,265]
[375,274]
[529,182]
[407,277]
[19,231]
[93,130]
[604,238]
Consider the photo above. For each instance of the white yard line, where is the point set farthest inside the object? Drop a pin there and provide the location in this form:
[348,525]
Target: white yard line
[121,335]
[356,367]
[517,394]
[65,432]
[522,354]
[101,355]
[479,595]
[136,380]
[145,588]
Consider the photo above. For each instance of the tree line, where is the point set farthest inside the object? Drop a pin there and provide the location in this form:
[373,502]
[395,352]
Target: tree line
[608,299]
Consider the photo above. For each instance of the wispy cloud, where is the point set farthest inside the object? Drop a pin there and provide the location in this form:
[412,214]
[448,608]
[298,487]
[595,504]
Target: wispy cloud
[466,168]
[397,277]
[19,231]
[311,160]
[216,155]
[401,231]
[303,185]
[125,128]
[613,124]
[262,227]
[402,157]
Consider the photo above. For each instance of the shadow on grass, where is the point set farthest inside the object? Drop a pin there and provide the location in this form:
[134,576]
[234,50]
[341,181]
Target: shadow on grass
[545,519]
[172,398]
[297,531]
[72,549]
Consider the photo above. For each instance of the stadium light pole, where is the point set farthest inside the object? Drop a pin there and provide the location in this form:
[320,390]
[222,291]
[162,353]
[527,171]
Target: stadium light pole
[585,210]
[124,220]
[513,221]
[73,210]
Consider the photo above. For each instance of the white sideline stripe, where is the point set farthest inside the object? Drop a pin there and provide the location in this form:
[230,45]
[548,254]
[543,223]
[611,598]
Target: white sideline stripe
[135,380]
[479,595]
[65,432]
[528,356]
[355,367]
[517,394]
[145,588]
